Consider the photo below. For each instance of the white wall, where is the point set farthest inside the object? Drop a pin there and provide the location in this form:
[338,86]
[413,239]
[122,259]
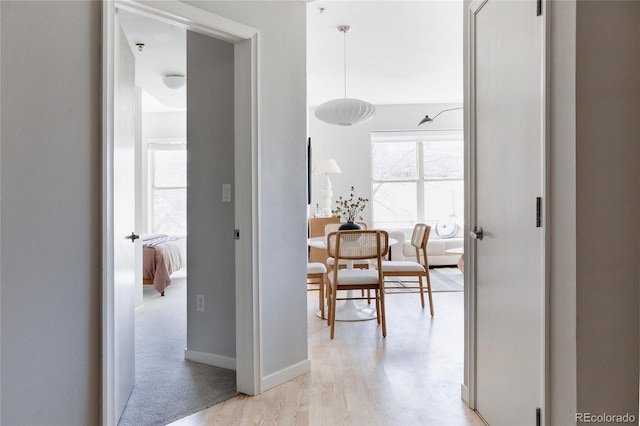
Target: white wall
[51,219]
[351,146]
[282,226]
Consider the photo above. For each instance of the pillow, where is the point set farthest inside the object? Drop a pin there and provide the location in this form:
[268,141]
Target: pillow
[446,229]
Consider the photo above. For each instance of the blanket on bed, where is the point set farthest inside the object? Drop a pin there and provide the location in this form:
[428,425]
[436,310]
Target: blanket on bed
[162,256]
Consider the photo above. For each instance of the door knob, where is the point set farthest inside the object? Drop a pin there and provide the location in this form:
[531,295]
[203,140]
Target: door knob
[477,233]
[133,237]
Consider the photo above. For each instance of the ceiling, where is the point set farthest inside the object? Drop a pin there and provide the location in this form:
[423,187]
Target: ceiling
[164,53]
[398,52]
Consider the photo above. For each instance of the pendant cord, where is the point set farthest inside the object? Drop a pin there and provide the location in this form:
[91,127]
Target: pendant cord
[345,63]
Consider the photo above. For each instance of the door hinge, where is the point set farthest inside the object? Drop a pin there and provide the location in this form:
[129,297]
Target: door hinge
[237,234]
[539,8]
[538,212]
[538,417]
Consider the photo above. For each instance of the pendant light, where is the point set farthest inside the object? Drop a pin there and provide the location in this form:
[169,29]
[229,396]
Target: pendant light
[345,111]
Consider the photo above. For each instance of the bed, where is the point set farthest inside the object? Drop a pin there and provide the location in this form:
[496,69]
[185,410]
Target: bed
[162,256]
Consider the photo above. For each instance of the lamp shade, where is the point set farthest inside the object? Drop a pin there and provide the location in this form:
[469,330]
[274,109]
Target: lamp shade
[345,111]
[326,166]
[174,81]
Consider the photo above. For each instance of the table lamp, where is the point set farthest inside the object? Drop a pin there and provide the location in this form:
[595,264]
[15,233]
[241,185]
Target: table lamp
[325,167]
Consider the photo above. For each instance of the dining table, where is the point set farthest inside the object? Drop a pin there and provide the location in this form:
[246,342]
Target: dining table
[348,310]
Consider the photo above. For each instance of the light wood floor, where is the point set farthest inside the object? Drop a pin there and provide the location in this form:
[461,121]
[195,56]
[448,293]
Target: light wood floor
[412,377]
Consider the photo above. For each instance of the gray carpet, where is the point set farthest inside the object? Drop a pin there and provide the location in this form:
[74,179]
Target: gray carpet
[442,279]
[168,387]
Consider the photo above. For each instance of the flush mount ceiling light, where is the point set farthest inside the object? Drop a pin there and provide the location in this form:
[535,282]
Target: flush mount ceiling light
[345,111]
[174,81]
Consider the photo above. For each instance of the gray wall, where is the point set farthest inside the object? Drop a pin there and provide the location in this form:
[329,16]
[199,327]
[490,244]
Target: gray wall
[50,223]
[607,205]
[210,222]
[562,202]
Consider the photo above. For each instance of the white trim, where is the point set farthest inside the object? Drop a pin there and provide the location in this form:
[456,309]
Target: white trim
[210,359]
[464,393]
[108,335]
[291,372]
[545,386]
[248,327]
[177,13]
[248,347]
[422,135]
[469,379]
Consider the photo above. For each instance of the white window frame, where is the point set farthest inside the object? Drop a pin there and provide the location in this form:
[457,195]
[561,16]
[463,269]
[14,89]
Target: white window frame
[154,145]
[419,137]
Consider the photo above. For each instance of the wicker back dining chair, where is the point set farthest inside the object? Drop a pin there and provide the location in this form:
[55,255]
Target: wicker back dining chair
[419,268]
[333,227]
[351,246]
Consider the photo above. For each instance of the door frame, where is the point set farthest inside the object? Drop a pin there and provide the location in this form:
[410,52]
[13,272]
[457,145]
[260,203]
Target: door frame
[470,295]
[246,50]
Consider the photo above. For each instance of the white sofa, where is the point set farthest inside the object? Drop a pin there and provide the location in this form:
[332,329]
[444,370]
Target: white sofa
[436,247]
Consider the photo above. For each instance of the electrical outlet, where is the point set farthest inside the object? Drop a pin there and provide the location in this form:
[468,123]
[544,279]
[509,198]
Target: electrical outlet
[200,303]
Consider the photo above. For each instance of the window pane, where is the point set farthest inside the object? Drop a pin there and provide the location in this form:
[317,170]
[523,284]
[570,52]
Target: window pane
[394,161]
[444,200]
[443,160]
[170,211]
[395,204]
[170,168]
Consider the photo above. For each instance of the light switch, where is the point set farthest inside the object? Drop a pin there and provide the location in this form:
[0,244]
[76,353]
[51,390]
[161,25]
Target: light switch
[226,192]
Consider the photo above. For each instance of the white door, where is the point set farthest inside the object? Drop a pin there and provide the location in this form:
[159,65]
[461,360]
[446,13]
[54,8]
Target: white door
[124,221]
[508,105]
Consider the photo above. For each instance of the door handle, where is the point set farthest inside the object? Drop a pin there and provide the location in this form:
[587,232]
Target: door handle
[133,237]
[477,233]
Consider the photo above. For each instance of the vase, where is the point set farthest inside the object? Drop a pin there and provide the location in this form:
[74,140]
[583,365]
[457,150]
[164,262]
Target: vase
[349,226]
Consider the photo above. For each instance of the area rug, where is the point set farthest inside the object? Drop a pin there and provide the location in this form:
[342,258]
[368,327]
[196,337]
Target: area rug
[442,279]
[168,387]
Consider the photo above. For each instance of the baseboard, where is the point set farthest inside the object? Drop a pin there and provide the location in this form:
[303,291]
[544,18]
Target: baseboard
[210,359]
[464,393]
[278,378]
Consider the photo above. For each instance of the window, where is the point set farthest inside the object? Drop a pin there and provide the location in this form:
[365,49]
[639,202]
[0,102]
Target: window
[417,176]
[168,182]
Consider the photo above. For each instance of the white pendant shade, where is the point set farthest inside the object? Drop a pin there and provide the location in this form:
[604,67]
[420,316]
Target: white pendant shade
[345,111]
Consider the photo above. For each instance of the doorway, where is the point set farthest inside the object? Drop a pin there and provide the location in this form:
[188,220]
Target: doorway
[244,41]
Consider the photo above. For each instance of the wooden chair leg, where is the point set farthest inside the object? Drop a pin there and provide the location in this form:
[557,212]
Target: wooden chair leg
[383,314]
[421,291]
[377,296]
[321,291]
[332,313]
[329,298]
[429,292]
